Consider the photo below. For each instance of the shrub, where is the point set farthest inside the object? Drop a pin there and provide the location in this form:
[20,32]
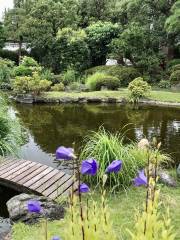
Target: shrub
[175,77]
[138,89]
[175,68]
[124,74]
[11,136]
[31,84]
[106,147]
[59,87]
[27,67]
[98,80]
[47,74]
[102,68]
[29,62]
[22,71]
[164,84]
[77,87]
[69,76]
[173,62]
[5,72]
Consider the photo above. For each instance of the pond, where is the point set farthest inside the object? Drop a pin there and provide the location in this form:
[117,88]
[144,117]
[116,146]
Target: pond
[50,126]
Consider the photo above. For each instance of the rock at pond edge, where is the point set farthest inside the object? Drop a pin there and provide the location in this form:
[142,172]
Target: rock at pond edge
[17,208]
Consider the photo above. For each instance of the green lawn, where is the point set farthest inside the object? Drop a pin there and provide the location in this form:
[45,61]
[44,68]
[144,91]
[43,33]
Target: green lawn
[123,207]
[158,95]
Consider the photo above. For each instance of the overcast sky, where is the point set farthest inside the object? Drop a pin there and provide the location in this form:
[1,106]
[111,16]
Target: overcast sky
[5,4]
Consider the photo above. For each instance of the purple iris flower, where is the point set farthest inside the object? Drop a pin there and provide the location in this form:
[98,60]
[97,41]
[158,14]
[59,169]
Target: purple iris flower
[141,179]
[83,188]
[115,166]
[34,206]
[89,166]
[56,238]
[65,153]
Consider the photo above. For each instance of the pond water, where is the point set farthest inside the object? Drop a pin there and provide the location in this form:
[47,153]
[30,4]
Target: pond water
[49,126]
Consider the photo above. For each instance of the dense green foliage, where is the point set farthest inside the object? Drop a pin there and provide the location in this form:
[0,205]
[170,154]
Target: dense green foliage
[5,73]
[138,89]
[98,80]
[11,136]
[99,36]
[81,34]
[2,35]
[124,74]
[58,87]
[175,77]
[31,84]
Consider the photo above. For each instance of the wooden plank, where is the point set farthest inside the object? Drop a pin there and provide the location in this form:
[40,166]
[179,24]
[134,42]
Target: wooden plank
[59,191]
[54,187]
[7,163]
[21,171]
[73,187]
[44,179]
[33,174]
[9,168]
[37,177]
[28,172]
[15,169]
[46,185]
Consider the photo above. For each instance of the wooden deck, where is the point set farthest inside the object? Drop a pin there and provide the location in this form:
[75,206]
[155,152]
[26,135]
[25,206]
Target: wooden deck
[33,177]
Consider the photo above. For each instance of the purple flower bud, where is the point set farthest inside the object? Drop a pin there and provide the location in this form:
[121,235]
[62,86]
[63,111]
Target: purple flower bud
[64,153]
[141,179]
[34,206]
[56,238]
[115,166]
[83,188]
[89,166]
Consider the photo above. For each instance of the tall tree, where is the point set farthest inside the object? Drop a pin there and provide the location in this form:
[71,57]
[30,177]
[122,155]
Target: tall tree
[45,19]
[144,39]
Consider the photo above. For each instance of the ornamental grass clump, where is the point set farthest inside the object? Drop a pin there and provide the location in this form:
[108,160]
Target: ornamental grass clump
[106,147]
[11,135]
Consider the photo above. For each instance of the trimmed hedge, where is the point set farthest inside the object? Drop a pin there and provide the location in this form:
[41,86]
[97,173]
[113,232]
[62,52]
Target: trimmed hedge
[124,74]
[98,80]
[175,77]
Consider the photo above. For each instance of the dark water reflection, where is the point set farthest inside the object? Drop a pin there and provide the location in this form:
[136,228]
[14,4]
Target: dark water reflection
[52,125]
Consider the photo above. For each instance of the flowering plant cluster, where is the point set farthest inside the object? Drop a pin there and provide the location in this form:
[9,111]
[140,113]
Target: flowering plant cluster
[87,167]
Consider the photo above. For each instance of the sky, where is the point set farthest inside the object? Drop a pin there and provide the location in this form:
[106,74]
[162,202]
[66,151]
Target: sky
[5,4]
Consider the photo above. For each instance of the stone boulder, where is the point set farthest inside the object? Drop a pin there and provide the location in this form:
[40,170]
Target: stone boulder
[5,228]
[166,179]
[17,208]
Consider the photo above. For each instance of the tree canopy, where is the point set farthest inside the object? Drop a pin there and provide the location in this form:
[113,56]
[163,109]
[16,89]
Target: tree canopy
[60,32]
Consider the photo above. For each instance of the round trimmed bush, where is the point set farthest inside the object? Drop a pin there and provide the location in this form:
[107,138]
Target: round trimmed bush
[138,89]
[98,80]
[175,77]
